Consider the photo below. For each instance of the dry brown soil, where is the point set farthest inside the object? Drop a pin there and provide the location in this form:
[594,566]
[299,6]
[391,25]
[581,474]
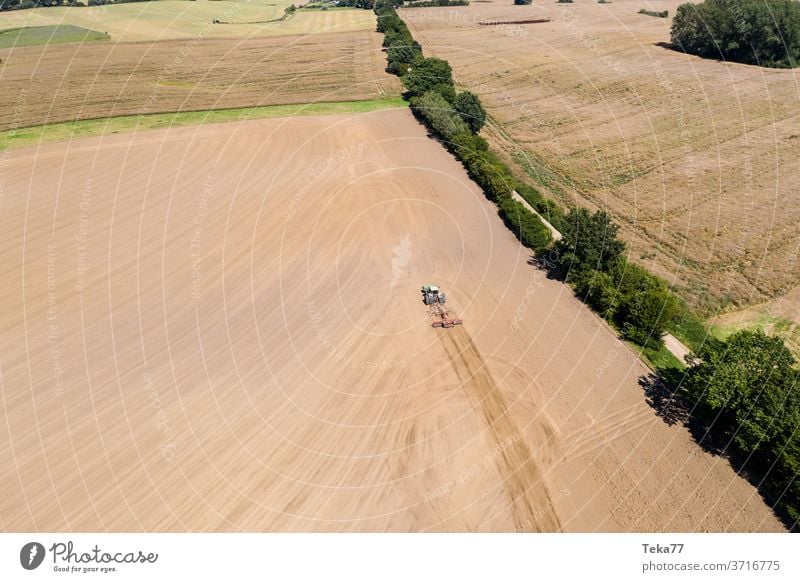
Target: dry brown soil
[220,328]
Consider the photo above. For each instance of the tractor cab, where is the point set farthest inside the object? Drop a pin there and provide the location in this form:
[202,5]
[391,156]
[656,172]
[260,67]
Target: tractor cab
[431,295]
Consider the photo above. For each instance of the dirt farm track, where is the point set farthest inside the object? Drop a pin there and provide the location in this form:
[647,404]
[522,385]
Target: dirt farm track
[219,328]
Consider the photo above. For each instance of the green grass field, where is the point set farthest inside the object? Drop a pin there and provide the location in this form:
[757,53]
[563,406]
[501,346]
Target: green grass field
[38,35]
[30,136]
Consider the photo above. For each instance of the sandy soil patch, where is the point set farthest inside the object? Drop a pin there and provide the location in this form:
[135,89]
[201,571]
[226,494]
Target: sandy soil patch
[220,328]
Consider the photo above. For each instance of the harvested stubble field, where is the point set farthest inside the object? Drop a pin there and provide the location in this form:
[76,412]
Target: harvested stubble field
[220,328]
[49,84]
[171,19]
[698,159]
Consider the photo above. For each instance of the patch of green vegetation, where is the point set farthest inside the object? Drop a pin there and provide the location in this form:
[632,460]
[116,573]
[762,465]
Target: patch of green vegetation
[688,327]
[770,324]
[656,13]
[41,134]
[39,35]
[755,32]
[661,358]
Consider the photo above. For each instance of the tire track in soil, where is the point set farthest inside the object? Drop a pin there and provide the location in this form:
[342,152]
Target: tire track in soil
[532,506]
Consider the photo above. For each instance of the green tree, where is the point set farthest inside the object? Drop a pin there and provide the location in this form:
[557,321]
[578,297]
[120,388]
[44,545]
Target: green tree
[439,115]
[747,386]
[589,242]
[429,74]
[758,32]
[524,224]
[599,291]
[647,314]
[470,109]
[401,52]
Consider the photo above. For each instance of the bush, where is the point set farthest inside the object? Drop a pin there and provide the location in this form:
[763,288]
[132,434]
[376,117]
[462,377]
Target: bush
[401,52]
[439,115]
[437,3]
[599,292]
[429,74]
[647,314]
[470,109]
[470,147]
[522,2]
[656,13]
[526,226]
[495,179]
[553,213]
[589,243]
[756,32]
[746,389]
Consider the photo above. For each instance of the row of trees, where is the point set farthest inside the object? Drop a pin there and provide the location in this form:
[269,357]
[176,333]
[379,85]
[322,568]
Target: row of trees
[757,32]
[455,117]
[433,3]
[364,4]
[25,4]
[746,390]
[591,258]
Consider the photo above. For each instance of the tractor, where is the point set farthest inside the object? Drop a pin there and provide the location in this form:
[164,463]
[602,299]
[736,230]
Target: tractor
[433,297]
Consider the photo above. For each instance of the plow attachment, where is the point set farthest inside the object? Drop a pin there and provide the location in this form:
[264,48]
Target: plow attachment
[446,322]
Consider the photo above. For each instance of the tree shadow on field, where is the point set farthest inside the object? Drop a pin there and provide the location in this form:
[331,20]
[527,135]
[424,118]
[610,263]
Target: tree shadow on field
[664,393]
[546,260]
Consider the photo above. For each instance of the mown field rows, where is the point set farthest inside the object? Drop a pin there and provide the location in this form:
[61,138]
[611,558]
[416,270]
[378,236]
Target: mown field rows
[188,345]
[697,159]
[72,81]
